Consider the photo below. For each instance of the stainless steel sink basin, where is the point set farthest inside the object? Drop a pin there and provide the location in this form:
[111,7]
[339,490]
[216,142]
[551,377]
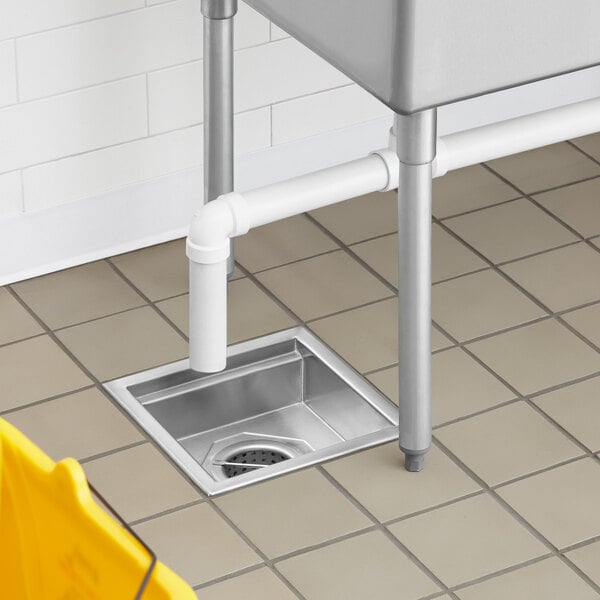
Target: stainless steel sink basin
[418,54]
[285,401]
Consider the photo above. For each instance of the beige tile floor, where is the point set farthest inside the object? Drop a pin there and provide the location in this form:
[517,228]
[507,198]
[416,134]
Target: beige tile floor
[508,504]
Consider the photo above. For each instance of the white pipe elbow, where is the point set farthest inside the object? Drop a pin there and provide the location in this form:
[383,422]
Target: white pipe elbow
[212,226]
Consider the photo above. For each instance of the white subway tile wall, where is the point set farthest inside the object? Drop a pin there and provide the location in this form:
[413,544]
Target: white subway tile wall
[95,96]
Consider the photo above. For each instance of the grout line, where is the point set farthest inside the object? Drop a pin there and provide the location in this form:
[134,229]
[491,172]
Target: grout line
[587,154]
[512,261]
[523,290]
[168,511]
[75,23]
[508,508]
[293,262]
[266,560]
[235,574]
[146,299]
[73,357]
[147,106]
[100,455]
[16,65]
[382,529]
[269,293]
[94,319]
[352,254]
[44,400]
[25,339]
[478,209]
[345,310]
[22,184]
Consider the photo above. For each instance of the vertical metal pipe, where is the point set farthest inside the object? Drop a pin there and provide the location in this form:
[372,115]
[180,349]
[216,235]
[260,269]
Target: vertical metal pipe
[416,136]
[218,100]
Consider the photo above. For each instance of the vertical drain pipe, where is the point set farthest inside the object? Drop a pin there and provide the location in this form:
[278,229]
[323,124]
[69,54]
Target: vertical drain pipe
[416,147]
[218,100]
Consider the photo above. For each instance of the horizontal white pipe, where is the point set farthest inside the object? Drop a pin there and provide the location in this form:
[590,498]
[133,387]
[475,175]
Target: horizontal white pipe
[234,214]
[312,191]
[485,143]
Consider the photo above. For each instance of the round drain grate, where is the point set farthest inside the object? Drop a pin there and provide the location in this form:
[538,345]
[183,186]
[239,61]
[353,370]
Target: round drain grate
[250,460]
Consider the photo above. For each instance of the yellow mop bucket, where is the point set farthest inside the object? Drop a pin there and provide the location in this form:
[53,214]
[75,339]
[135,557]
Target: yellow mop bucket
[56,543]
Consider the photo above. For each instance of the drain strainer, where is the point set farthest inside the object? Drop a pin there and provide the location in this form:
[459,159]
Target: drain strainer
[250,459]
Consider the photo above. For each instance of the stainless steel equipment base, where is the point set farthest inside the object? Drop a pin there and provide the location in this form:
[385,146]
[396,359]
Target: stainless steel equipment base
[285,401]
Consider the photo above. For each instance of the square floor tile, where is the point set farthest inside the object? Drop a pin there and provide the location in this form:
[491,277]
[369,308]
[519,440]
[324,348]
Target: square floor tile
[35,369]
[577,409]
[16,323]
[79,425]
[378,480]
[537,356]
[301,510]
[548,579]
[468,189]
[261,584]
[366,566]
[367,337]
[578,205]
[323,285]
[562,504]
[587,322]
[197,544]
[361,218]
[507,442]
[480,303]
[460,386]
[589,144]
[140,482]
[158,271]
[510,230]
[124,343]
[76,295]
[468,539]
[562,278]
[280,243]
[587,559]
[450,257]
[250,312]
[546,167]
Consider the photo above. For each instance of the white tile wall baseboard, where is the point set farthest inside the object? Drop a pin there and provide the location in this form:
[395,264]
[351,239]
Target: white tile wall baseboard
[39,242]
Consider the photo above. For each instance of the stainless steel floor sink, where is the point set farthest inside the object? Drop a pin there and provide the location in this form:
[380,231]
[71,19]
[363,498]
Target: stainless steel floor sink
[418,54]
[284,402]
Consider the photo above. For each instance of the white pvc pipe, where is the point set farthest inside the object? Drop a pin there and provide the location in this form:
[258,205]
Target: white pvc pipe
[233,214]
[312,191]
[208,316]
[485,143]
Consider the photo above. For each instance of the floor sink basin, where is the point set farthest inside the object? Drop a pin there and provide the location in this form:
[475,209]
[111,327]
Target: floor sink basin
[418,54]
[285,401]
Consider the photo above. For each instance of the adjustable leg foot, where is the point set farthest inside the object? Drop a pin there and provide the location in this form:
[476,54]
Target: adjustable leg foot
[414,462]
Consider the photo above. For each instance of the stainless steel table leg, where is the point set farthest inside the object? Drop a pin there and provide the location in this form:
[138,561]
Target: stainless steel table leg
[218,99]
[416,136]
